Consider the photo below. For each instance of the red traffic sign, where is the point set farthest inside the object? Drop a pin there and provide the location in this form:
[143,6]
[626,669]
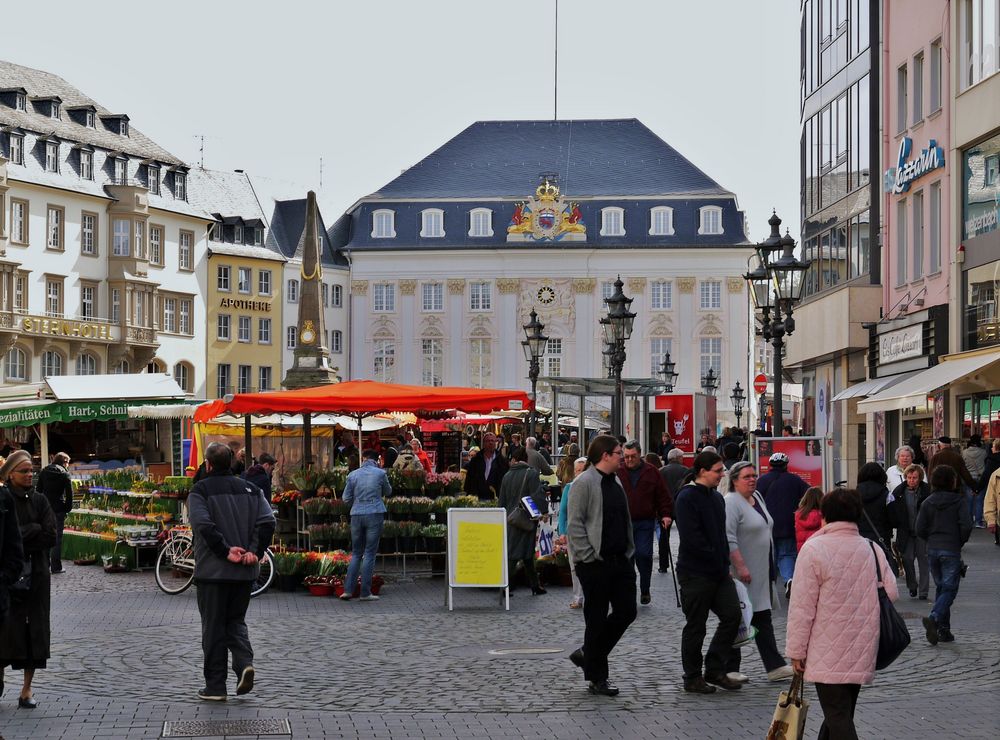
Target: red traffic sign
[760,383]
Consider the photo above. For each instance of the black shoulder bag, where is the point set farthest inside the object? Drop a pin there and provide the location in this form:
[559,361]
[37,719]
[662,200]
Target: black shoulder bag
[519,518]
[890,558]
[893,637]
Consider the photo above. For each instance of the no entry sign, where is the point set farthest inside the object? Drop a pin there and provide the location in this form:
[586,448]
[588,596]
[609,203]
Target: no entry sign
[760,383]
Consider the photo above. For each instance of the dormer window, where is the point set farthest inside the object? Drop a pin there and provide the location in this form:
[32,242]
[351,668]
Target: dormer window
[15,148]
[121,171]
[180,186]
[86,164]
[661,221]
[383,224]
[153,179]
[481,222]
[90,119]
[711,220]
[51,156]
[432,223]
[123,126]
[21,101]
[612,221]
[238,234]
[54,110]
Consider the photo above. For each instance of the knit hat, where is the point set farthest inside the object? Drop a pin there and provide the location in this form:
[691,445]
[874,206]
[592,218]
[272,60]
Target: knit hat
[13,460]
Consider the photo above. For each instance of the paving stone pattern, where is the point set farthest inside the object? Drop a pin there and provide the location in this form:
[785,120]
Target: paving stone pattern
[126,658]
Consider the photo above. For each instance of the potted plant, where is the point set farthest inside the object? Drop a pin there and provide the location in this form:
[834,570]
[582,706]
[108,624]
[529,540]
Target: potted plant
[318,509]
[420,508]
[339,508]
[377,583]
[319,534]
[434,535]
[397,505]
[409,532]
[340,535]
[390,531]
[442,504]
[288,568]
[86,559]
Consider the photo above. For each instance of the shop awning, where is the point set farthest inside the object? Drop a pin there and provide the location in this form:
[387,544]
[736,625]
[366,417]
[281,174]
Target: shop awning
[91,398]
[873,386]
[915,389]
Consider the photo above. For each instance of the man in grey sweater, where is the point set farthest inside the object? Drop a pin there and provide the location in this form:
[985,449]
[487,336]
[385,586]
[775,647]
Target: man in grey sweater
[599,529]
[232,523]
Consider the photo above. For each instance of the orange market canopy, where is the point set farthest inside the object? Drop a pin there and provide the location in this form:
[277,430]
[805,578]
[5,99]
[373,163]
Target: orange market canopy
[361,398]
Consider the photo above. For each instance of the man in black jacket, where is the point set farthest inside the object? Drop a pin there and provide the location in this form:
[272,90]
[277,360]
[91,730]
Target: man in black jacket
[703,575]
[260,474]
[486,470]
[944,523]
[232,524]
[54,482]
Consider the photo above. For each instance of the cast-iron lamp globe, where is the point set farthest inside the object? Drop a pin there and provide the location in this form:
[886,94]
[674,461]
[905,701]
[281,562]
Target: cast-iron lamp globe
[669,372]
[710,382]
[788,272]
[535,341]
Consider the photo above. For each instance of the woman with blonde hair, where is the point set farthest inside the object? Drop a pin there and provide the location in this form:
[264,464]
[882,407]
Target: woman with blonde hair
[564,471]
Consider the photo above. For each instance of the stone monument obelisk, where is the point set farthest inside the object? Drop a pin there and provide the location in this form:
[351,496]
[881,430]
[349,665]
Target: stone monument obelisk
[312,357]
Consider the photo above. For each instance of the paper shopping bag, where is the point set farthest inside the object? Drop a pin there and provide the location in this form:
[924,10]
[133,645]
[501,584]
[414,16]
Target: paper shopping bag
[789,721]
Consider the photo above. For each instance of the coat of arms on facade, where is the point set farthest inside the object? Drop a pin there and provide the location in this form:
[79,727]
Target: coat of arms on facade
[547,216]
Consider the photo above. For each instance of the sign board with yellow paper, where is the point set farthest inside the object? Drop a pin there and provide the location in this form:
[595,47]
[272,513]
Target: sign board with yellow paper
[477,550]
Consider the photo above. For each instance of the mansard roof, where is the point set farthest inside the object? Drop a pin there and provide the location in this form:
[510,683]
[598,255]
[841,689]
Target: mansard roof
[592,158]
[40,85]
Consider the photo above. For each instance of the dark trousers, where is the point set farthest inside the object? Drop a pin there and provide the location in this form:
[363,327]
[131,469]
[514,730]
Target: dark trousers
[606,583]
[530,574]
[766,645]
[699,595]
[838,701]
[55,558]
[223,608]
[643,532]
[946,567]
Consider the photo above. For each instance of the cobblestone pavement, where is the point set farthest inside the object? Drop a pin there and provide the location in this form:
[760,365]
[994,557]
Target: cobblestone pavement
[127,658]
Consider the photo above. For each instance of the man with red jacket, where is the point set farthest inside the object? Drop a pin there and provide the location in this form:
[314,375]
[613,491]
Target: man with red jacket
[648,500]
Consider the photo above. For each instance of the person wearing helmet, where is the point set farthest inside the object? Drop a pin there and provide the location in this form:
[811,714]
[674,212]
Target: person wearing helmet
[782,492]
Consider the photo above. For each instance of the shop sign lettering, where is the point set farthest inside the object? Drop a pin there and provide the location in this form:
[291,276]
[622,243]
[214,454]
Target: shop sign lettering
[245,305]
[69,329]
[900,345]
[898,179]
[982,223]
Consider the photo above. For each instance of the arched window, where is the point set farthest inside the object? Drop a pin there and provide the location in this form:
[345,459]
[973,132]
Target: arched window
[183,373]
[52,363]
[480,222]
[612,221]
[432,223]
[711,220]
[384,357]
[156,365]
[16,365]
[86,364]
[122,368]
[661,221]
[383,224]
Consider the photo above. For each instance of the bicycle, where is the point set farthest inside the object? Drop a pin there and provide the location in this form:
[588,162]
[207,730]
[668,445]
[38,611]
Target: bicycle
[174,570]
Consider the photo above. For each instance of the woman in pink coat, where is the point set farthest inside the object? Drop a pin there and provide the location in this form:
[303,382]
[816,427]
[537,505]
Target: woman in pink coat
[833,617]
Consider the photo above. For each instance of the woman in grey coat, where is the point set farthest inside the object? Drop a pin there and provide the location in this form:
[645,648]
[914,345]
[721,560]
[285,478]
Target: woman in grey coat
[520,481]
[748,529]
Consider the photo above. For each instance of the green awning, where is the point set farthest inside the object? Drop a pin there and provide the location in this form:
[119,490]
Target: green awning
[29,413]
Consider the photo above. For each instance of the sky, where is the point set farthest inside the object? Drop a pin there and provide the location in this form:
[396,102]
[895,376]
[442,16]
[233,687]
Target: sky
[372,87]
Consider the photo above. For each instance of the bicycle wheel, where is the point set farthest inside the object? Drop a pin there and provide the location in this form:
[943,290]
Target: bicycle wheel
[266,575]
[175,565]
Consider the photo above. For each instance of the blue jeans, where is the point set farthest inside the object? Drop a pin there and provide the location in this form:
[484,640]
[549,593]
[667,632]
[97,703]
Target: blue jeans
[977,508]
[945,566]
[366,530]
[643,531]
[785,553]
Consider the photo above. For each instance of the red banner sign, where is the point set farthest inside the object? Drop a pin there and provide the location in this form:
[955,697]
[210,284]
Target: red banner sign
[805,456]
[680,420]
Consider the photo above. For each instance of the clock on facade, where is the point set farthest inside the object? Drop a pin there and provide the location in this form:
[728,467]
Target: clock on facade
[546,295]
[308,335]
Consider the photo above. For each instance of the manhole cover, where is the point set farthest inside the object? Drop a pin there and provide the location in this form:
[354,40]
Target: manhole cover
[221,727]
[525,651]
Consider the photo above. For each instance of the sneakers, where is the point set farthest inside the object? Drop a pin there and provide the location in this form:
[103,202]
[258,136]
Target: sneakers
[698,686]
[931,630]
[788,588]
[369,597]
[602,688]
[346,596]
[945,635]
[645,599]
[737,677]
[206,695]
[780,674]
[246,681]
[723,682]
[913,593]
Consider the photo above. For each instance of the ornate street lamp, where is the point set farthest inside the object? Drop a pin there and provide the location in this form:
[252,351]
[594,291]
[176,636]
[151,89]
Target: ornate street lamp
[669,373]
[738,398]
[617,330]
[534,348]
[776,285]
[710,382]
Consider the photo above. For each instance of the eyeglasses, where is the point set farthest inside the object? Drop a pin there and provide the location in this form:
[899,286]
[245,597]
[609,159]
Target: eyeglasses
[618,452]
